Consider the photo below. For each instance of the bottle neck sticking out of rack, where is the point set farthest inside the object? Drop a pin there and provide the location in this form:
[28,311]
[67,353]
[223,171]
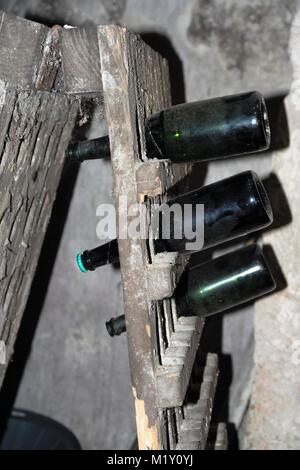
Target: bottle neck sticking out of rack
[200,131]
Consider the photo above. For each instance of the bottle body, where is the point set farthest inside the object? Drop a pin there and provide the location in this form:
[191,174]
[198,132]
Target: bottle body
[225,282]
[233,207]
[209,130]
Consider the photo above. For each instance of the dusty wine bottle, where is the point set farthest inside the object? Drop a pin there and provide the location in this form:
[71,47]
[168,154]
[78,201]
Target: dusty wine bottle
[221,284]
[224,282]
[199,131]
[233,207]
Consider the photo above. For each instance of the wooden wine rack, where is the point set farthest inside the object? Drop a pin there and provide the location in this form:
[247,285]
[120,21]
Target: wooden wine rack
[162,347]
[128,81]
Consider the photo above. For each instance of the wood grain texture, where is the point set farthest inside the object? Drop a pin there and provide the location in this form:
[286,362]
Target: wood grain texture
[177,360]
[35,130]
[49,66]
[21,50]
[80,60]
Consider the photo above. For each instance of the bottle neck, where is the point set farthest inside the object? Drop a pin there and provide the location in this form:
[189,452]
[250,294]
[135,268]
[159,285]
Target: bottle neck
[89,260]
[93,149]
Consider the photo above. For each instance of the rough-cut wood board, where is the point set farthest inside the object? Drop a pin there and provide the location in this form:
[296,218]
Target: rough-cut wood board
[21,50]
[173,376]
[35,131]
[135,84]
[30,54]
[81,62]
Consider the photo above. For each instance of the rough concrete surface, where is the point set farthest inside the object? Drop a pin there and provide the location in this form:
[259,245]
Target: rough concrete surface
[76,373]
[273,418]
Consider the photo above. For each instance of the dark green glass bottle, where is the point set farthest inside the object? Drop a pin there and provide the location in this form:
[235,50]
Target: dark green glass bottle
[224,282]
[199,131]
[233,207]
[209,130]
[218,285]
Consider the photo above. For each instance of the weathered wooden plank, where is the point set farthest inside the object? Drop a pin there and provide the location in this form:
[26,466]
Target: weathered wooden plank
[173,375]
[21,50]
[49,67]
[80,60]
[136,84]
[35,130]
[193,429]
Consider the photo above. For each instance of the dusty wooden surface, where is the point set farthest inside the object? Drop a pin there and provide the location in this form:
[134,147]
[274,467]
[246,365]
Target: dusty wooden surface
[135,84]
[35,130]
[21,50]
[81,62]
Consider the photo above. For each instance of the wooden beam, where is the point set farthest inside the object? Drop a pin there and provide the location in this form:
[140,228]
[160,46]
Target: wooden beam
[35,130]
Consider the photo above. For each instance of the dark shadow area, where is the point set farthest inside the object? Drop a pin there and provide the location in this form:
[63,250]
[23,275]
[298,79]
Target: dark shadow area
[32,431]
[281,282]
[45,19]
[193,180]
[211,342]
[163,46]
[280,138]
[280,206]
[231,435]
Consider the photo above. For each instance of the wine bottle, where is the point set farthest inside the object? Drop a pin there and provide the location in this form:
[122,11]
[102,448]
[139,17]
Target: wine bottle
[224,282]
[233,207]
[89,260]
[199,131]
[221,284]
